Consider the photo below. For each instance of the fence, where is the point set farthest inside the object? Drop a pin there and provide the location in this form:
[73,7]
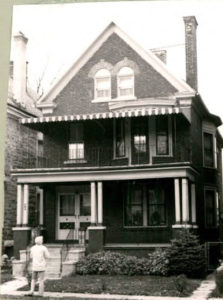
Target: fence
[214,252]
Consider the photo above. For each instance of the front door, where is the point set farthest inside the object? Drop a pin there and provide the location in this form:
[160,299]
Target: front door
[73,215]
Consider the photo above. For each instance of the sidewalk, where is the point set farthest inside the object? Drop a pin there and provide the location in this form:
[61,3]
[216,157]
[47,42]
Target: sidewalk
[9,289]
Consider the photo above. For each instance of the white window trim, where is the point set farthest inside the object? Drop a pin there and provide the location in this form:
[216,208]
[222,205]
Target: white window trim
[126,97]
[101,99]
[114,141]
[214,148]
[170,139]
[210,188]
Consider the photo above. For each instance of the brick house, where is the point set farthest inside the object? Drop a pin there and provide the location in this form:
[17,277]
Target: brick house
[19,139]
[131,153]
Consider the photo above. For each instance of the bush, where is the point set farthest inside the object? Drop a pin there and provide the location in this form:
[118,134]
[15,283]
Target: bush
[219,279]
[113,263]
[186,255]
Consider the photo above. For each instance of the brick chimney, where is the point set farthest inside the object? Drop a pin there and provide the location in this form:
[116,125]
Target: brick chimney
[19,67]
[191,50]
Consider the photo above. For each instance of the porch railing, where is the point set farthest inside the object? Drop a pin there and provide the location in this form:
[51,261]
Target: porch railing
[97,157]
[66,247]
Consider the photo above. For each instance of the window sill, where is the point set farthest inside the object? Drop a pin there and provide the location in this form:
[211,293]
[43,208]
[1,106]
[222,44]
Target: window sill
[146,227]
[119,158]
[107,99]
[211,168]
[75,161]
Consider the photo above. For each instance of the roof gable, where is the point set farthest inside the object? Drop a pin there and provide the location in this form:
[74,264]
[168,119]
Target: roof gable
[148,56]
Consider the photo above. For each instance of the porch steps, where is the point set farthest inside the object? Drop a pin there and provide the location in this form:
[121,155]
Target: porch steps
[54,269]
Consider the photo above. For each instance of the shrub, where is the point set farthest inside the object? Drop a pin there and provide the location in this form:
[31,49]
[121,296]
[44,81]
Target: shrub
[180,283]
[113,263]
[186,255]
[219,279]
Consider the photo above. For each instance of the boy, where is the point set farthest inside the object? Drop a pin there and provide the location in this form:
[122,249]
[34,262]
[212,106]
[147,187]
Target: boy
[38,254]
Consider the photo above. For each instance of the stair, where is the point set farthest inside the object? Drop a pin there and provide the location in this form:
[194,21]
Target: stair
[54,269]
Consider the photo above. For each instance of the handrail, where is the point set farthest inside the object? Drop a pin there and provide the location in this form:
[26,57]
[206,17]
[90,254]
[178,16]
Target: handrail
[65,247]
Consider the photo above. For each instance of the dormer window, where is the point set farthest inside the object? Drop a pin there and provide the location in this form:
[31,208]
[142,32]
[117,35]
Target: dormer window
[125,82]
[103,85]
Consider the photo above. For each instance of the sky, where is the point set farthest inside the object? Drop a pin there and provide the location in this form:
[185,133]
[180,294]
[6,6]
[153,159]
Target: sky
[59,33]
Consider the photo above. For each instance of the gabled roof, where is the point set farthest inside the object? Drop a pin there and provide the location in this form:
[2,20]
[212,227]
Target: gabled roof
[180,85]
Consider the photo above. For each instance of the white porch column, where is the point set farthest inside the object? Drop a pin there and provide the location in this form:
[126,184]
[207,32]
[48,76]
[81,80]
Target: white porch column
[100,203]
[93,203]
[193,203]
[185,201]
[177,200]
[25,204]
[19,205]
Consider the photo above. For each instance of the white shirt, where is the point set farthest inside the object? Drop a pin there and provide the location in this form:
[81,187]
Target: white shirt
[39,254]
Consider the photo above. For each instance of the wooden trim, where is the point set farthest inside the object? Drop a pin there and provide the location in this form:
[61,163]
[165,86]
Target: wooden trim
[58,175]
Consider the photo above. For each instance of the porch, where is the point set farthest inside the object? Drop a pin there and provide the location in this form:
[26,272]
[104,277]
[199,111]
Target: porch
[127,208]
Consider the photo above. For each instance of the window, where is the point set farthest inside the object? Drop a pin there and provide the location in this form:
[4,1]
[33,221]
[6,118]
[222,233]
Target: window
[125,82]
[134,205]
[140,136]
[210,208]
[162,135]
[67,205]
[119,138]
[156,207]
[208,150]
[103,84]
[85,206]
[76,142]
[145,206]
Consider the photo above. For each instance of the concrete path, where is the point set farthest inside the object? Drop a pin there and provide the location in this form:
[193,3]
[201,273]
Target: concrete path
[10,289]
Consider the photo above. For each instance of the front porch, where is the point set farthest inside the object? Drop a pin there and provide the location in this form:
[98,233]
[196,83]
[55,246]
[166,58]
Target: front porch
[124,207]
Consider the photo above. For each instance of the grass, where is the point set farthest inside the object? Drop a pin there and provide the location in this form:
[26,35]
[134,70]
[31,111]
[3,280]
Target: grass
[123,285]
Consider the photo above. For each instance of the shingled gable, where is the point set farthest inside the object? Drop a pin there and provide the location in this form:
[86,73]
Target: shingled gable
[176,86]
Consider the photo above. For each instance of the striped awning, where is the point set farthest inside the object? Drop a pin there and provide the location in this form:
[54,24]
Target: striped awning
[105,115]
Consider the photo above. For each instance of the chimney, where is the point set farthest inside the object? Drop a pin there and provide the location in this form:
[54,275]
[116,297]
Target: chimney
[161,54]
[191,50]
[19,67]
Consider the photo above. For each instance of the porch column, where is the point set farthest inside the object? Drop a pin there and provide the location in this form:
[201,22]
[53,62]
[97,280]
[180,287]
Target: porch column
[93,203]
[193,203]
[25,204]
[177,200]
[100,204]
[19,205]
[185,201]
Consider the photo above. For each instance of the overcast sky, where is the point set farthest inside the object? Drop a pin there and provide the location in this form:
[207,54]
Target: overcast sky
[59,33]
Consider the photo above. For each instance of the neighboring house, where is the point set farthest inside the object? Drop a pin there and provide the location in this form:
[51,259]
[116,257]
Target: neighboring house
[20,140]
[131,153]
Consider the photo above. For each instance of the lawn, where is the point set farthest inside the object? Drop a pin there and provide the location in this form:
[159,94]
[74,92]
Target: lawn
[124,285]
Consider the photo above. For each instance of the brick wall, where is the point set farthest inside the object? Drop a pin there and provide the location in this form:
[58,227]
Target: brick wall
[20,151]
[77,95]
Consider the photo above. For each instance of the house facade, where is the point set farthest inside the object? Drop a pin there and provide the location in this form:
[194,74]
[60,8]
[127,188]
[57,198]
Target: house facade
[19,139]
[130,153]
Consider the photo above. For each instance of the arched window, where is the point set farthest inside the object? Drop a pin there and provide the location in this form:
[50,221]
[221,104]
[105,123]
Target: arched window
[103,84]
[125,82]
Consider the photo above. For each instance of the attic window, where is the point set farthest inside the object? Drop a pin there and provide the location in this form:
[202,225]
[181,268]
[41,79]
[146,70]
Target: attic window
[125,82]
[103,85]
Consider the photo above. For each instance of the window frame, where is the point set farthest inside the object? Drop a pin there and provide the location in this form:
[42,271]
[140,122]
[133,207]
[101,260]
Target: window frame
[214,150]
[144,201]
[130,96]
[106,98]
[115,156]
[78,141]
[169,137]
[216,207]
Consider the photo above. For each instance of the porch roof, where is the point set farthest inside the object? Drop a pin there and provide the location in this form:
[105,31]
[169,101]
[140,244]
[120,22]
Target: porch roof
[69,174]
[106,115]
